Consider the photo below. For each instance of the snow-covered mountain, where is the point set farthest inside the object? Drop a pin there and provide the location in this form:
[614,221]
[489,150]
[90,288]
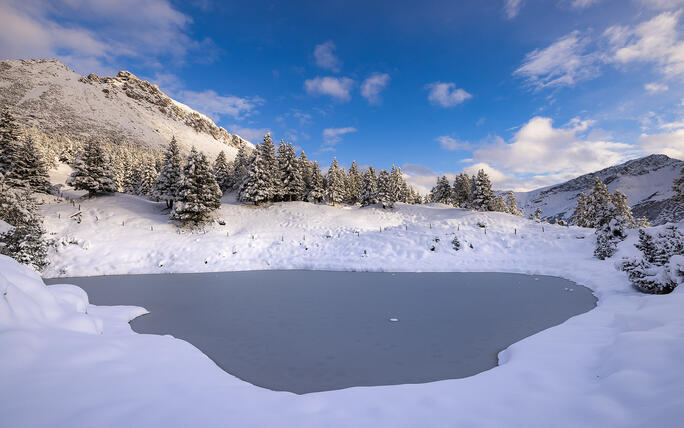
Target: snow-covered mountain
[647,182]
[47,95]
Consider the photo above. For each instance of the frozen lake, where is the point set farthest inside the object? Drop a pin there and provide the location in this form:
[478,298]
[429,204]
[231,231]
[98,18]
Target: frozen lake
[307,331]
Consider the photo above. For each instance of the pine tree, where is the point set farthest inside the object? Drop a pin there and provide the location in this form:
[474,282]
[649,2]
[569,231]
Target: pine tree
[316,192]
[170,176]
[24,242]
[10,149]
[398,187]
[461,191]
[369,188]
[599,205]
[442,191]
[657,270]
[221,172]
[93,171]
[498,204]
[241,166]
[622,209]
[512,204]
[334,184]
[259,185]
[148,177]
[580,217]
[306,169]
[30,167]
[386,195]
[354,184]
[199,193]
[292,182]
[482,194]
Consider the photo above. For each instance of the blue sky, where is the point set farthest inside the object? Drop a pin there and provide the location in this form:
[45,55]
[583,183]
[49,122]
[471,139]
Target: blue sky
[535,92]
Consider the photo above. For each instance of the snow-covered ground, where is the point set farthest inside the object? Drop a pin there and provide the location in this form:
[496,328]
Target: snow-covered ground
[66,363]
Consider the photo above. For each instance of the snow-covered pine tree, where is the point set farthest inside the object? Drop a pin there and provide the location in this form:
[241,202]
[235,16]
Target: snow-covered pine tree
[170,176]
[241,165]
[678,186]
[660,267]
[221,171]
[30,167]
[25,241]
[461,190]
[622,209]
[498,204]
[292,182]
[148,177]
[199,194]
[386,195]
[580,217]
[512,204]
[121,166]
[259,184]
[10,149]
[92,171]
[442,191]
[270,166]
[482,194]
[599,204]
[306,169]
[353,184]
[334,183]
[398,186]
[316,191]
[369,188]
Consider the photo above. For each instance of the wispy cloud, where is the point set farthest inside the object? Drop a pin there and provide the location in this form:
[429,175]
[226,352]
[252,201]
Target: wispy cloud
[333,136]
[338,88]
[453,144]
[325,57]
[373,85]
[654,87]
[446,94]
[563,63]
[512,8]
[216,106]
[254,135]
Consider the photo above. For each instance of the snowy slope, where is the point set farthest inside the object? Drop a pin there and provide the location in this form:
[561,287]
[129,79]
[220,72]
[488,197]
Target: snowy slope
[617,365]
[47,95]
[647,182]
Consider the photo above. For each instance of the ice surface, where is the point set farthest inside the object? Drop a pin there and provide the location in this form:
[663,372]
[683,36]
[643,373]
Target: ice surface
[308,331]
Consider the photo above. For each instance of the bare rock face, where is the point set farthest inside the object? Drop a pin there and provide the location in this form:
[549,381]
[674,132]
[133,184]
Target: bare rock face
[56,101]
[647,182]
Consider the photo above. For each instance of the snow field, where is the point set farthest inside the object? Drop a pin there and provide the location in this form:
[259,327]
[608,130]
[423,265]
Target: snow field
[617,365]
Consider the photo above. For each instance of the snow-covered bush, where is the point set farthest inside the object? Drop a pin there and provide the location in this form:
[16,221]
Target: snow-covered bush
[456,244]
[660,267]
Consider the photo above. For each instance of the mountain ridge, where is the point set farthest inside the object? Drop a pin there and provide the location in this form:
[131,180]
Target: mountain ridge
[45,94]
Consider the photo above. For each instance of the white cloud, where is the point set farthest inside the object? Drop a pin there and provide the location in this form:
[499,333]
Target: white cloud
[373,85]
[337,88]
[254,135]
[445,94]
[662,4]
[654,87]
[452,144]
[656,41]
[539,153]
[216,106]
[325,57]
[671,144]
[563,63]
[144,30]
[583,4]
[332,136]
[512,8]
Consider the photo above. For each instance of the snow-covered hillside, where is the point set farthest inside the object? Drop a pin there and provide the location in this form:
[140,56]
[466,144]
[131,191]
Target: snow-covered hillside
[47,95]
[67,363]
[647,182]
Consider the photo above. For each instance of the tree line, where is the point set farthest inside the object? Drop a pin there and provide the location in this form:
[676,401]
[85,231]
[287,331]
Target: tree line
[473,193]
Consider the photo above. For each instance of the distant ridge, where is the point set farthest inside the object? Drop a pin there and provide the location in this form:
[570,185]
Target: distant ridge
[646,181]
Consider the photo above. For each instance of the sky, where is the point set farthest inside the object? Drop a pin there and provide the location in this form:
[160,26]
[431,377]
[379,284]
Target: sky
[533,91]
